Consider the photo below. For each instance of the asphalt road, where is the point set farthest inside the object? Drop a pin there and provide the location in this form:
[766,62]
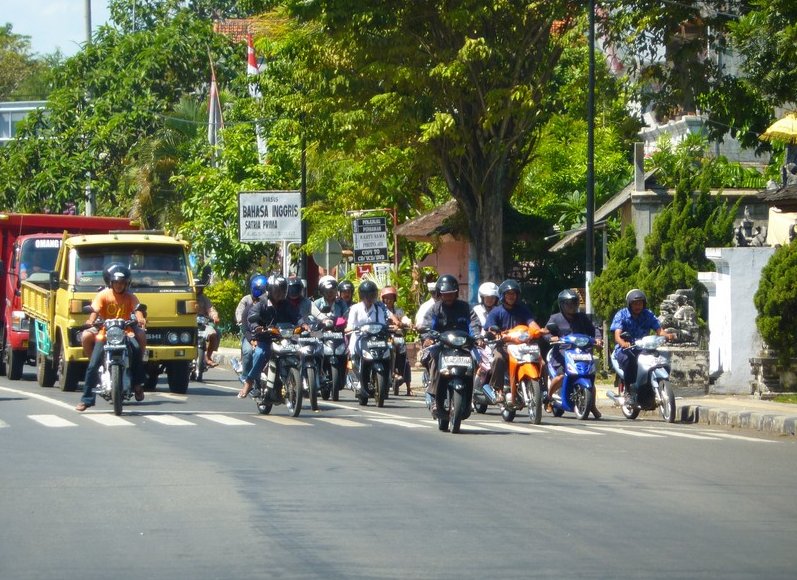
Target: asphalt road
[200,486]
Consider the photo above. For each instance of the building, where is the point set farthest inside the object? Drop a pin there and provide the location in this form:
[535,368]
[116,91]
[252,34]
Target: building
[11,113]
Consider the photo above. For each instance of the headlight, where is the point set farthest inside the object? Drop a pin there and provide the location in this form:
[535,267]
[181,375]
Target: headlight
[115,335]
[172,337]
[371,328]
[185,337]
[581,341]
[455,339]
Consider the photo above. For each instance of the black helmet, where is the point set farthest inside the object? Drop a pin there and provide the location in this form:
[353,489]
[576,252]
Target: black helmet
[447,284]
[368,290]
[295,287]
[277,287]
[116,272]
[506,286]
[345,286]
[258,286]
[634,295]
[567,295]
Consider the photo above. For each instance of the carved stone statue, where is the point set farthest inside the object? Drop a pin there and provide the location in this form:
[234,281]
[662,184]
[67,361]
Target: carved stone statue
[746,235]
[678,316]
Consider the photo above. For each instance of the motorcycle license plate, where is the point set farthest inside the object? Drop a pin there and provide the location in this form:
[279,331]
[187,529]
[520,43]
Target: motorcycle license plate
[582,357]
[377,344]
[332,336]
[456,361]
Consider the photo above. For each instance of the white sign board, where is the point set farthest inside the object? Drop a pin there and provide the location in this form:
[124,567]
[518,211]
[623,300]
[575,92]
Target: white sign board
[270,216]
[370,240]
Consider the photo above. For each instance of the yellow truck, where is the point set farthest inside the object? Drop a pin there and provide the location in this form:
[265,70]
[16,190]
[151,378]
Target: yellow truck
[161,279]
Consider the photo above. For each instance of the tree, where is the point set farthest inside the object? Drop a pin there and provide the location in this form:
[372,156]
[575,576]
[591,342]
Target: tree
[776,302]
[22,75]
[469,78]
[620,275]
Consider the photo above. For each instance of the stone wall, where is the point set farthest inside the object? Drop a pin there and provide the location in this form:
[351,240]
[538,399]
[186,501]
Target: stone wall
[688,370]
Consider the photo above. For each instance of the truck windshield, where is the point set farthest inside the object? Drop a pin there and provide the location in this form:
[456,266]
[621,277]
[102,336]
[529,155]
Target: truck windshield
[37,258]
[150,267]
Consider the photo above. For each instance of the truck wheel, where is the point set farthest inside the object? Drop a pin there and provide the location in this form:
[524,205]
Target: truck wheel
[3,361]
[15,360]
[68,375]
[45,371]
[151,382]
[178,373]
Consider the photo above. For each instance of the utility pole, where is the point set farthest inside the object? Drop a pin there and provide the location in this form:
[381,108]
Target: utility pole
[590,232]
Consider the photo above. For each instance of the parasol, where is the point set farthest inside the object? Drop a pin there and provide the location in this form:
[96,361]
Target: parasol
[784,129]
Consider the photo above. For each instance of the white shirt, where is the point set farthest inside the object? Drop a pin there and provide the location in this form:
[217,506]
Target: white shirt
[423,310]
[359,315]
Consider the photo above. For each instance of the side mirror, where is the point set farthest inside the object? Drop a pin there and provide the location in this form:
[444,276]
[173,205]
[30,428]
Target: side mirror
[54,280]
[553,328]
[142,308]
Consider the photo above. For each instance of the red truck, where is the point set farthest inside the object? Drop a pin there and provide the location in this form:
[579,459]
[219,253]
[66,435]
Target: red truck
[29,244]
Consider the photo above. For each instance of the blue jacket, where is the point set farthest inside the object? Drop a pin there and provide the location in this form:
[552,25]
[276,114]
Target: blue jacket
[637,327]
[505,318]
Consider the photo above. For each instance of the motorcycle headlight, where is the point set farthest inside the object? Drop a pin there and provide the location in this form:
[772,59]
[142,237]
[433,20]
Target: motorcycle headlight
[185,337]
[455,339]
[371,328]
[581,341]
[115,335]
[172,337]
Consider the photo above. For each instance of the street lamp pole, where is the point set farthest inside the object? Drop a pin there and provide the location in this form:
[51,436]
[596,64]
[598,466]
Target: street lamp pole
[590,230]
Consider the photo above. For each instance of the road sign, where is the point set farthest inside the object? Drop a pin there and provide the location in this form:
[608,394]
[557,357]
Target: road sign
[370,240]
[330,256]
[270,216]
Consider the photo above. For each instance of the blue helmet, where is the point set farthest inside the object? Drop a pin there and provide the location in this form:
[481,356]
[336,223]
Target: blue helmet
[258,285]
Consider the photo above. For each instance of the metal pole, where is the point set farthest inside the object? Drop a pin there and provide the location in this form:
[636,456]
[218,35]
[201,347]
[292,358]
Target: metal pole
[303,257]
[590,231]
[88,21]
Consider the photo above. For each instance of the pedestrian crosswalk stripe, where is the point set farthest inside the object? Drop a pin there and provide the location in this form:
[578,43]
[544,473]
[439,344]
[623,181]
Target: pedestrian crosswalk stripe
[3,424]
[681,434]
[170,420]
[52,421]
[279,420]
[341,422]
[631,432]
[510,427]
[223,419]
[737,437]
[398,423]
[109,420]
[562,429]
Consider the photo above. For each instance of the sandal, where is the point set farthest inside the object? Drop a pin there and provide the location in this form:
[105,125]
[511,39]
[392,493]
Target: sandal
[82,407]
[138,393]
[211,364]
[243,393]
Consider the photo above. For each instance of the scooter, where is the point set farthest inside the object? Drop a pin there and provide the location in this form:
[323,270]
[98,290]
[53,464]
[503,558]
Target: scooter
[281,380]
[334,361]
[456,369]
[369,374]
[524,368]
[311,349]
[577,392]
[652,383]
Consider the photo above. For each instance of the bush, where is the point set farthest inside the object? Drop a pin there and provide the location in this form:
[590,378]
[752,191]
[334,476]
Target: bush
[776,302]
[225,295]
[608,290]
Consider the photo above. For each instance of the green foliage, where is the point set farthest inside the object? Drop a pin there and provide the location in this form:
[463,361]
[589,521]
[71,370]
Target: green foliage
[776,302]
[608,289]
[225,294]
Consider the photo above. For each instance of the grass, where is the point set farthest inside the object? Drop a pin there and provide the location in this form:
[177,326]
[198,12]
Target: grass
[231,340]
[786,399]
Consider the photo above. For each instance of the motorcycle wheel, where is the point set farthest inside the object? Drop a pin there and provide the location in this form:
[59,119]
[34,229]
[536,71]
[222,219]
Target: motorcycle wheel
[508,415]
[666,401]
[116,389]
[337,382]
[480,408]
[264,408]
[535,400]
[380,388]
[293,395]
[457,411]
[310,377]
[582,402]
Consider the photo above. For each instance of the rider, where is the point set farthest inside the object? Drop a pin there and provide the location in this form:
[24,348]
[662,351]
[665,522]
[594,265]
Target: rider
[304,305]
[488,299]
[569,320]
[388,296]
[450,313]
[346,292]
[367,310]
[204,307]
[329,301]
[258,286]
[263,314]
[508,314]
[638,321]
[116,301]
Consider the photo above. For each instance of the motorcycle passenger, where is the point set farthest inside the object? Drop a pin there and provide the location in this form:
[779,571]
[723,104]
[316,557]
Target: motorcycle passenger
[569,320]
[488,299]
[258,286]
[329,301]
[116,301]
[508,314]
[421,319]
[450,313]
[388,296]
[265,313]
[204,307]
[367,310]
[346,292]
[637,320]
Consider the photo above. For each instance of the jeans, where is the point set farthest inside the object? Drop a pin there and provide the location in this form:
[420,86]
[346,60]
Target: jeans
[137,371]
[259,360]
[247,356]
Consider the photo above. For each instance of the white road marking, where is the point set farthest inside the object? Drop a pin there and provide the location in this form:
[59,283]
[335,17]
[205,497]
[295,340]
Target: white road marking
[109,420]
[3,424]
[30,395]
[681,434]
[621,431]
[283,420]
[341,422]
[223,419]
[172,396]
[170,420]
[561,429]
[737,437]
[52,421]
[398,423]
[509,427]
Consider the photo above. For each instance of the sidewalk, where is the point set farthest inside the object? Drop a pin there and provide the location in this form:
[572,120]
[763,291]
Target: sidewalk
[731,411]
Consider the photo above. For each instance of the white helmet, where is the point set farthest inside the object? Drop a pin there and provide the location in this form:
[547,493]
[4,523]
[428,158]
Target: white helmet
[325,279]
[488,289]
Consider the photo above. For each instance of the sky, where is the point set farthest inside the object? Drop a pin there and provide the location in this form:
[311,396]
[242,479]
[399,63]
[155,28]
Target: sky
[52,24]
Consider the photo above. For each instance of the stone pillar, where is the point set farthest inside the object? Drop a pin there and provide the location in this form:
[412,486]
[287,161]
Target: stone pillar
[733,337]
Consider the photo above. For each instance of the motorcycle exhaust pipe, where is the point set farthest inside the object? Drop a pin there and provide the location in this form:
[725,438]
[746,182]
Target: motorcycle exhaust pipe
[618,400]
[490,393]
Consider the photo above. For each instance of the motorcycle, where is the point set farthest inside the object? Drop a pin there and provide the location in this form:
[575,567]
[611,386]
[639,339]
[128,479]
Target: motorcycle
[455,366]
[281,380]
[374,360]
[311,349]
[483,393]
[334,361]
[399,355]
[577,393]
[524,368]
[199,366]
[115,373]
[652,383]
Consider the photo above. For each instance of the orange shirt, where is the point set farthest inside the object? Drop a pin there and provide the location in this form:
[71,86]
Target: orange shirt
[109,305]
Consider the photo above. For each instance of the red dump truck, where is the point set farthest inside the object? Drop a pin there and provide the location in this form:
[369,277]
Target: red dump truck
[29,244]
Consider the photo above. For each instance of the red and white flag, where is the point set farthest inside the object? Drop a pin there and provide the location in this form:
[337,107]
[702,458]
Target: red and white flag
[252,70]
[215,119]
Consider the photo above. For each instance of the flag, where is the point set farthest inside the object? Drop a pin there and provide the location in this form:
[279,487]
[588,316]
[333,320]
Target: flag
[252,70]
[215,119]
